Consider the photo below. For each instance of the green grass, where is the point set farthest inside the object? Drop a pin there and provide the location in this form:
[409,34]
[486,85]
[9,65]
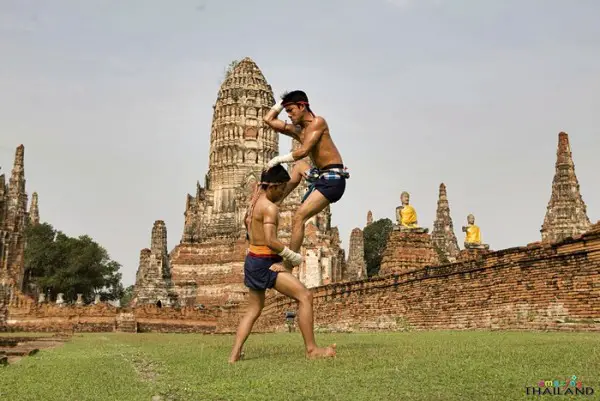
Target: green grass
[384,366]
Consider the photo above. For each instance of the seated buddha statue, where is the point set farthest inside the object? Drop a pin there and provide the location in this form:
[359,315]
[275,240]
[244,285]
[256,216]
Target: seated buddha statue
[406,216]
[473,235]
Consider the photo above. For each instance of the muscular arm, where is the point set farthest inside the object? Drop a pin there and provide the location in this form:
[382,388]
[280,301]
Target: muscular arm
[314,132]
[270,228]
[281,126]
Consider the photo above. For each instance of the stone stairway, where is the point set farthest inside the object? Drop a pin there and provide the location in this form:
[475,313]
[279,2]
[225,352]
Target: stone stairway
[126,323]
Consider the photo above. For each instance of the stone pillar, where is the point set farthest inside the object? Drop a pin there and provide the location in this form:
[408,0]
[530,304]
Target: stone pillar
[356,268]
[34,212]
[158,248]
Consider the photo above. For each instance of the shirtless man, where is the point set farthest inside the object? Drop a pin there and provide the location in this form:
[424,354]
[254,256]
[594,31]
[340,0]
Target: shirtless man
[327,180]
[265,250]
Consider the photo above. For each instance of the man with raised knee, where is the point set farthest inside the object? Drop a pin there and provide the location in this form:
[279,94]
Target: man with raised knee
[264,251]
[326,178]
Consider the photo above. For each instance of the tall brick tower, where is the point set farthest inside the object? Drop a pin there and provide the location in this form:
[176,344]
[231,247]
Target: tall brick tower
[566,214]
[443,236]
[13,220]
[207,265]
[240,145]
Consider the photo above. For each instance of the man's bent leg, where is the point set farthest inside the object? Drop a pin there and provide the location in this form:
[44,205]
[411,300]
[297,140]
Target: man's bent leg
[289,285]
[314,204]
[256,302]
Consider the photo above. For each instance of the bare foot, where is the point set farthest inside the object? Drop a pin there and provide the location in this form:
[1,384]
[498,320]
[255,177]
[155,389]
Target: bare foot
[328,352]
[236,356]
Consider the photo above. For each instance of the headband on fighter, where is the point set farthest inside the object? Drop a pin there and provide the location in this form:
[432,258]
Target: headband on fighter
[286,104]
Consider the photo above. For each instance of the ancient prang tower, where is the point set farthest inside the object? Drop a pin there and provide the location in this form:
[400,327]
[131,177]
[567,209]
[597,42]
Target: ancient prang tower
[207,265]
[14,218]
[153,280]
[566,214]
[443,237]
[356,267]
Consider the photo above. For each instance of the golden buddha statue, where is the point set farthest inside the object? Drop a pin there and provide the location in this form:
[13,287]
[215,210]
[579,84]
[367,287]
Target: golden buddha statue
[406,215]
[473,234]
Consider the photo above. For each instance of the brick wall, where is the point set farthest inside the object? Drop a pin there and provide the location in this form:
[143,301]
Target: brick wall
[103,318]
[50,318]
[538,287]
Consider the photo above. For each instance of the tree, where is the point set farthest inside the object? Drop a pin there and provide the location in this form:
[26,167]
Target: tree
[229,69]
[127,295]
[55,263]
[376,236]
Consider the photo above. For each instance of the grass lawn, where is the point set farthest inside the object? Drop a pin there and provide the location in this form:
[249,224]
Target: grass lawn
[383,366]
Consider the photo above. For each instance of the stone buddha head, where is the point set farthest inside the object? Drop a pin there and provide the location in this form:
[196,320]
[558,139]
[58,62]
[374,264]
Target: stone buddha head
[404,198]
[471,219]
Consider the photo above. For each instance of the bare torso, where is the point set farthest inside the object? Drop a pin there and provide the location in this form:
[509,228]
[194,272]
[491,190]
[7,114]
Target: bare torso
[324,152]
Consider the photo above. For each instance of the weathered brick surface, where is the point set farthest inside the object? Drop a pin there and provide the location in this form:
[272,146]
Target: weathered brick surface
[407,251]
[216,268]
[538,287]
[469,254]
[356,268]
[566,213]
[106,318]
[51,318]
[153,278]
[443,236]
[213,247]
[13,218]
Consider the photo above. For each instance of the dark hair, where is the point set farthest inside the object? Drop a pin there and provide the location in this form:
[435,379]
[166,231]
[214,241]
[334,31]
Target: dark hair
[275,175]
[296,96]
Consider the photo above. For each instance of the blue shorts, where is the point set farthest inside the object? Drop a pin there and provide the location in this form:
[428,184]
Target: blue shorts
[332,184]
[257,273]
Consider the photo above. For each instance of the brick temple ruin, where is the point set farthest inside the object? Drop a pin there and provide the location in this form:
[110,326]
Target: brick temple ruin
[426,281]
[206,267]
[14,217]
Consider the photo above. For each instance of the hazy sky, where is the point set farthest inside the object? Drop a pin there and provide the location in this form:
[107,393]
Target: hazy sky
[113,102]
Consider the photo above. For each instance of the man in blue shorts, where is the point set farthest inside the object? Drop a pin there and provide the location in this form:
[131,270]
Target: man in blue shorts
[264,251]
[327,179]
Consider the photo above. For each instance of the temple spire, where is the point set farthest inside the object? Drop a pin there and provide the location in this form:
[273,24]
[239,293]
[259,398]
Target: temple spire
[443,236]
[34,211]
[566,214]
[356,268]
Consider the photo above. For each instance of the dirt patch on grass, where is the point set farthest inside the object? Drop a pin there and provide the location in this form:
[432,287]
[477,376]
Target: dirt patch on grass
[146,370]
[12,349]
